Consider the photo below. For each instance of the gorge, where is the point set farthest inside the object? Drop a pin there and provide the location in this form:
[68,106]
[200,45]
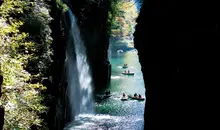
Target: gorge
[172,43]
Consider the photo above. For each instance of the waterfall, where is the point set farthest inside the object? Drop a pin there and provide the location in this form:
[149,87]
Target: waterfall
[79,87]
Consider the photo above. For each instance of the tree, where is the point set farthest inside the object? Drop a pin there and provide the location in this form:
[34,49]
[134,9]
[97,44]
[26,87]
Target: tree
[24,39]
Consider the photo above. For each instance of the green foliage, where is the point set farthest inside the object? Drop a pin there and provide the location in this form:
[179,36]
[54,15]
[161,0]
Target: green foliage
[21,99]
[24,53]
[114,12]
[122,18]
[36,24]
[61,5]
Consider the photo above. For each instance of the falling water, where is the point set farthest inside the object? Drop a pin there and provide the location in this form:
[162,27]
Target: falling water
[111,113]
[79,88]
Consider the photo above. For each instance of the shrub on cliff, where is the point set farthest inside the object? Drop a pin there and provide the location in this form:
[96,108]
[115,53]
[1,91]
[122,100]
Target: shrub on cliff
[24,54]
[122,17]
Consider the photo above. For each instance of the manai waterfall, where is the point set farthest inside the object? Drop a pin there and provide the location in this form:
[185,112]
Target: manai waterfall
[79,88]
[85,111]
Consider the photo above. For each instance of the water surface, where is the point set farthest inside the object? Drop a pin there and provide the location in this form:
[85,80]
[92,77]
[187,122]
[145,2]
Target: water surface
[112,113]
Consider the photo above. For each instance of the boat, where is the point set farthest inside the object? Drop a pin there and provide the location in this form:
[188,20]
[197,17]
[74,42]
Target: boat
[124,67]
[124,98]
[130,73]
[136,98]
[107,96]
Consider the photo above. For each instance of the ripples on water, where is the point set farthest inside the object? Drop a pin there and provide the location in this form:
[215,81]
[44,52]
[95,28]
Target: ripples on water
[120,67]
[112,113]
[106,122]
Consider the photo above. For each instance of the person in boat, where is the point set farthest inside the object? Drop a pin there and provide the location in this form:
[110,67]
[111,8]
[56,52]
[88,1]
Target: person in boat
[128,71]
[107,92]
[139,96]
[125,72]
[135,95]
[125,65]
[123,94]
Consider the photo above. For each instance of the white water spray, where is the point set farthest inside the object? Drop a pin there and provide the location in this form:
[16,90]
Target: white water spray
[79,88]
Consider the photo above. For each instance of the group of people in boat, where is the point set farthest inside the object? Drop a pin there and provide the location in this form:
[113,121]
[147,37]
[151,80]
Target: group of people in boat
[125,65]
[107,92]
[127,72]
[137,96]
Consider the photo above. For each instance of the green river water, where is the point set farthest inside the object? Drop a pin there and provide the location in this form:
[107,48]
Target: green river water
[112,113]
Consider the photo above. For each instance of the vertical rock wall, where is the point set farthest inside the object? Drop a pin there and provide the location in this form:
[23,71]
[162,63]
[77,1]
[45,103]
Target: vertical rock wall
[177,49]
[93,19]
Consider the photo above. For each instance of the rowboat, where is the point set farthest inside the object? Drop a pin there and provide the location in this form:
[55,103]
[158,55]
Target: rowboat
[124,67]
[131,73]
[136,98]
[124,98]
[107,96]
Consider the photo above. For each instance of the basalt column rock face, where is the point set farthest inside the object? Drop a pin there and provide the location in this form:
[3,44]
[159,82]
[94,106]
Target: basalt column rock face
[93,21]
[95,35]
[56,115]
[174,44]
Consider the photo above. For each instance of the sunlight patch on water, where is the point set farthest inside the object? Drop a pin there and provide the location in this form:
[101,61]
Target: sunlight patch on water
[115,77]
[104,122]
[119,67]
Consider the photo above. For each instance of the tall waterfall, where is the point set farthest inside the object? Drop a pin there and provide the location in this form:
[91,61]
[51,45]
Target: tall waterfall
[79,88]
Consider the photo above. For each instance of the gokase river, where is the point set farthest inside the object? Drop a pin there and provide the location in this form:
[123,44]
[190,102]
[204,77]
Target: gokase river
[112,113]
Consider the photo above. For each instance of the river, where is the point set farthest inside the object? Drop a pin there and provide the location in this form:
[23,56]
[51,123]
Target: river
[112,113]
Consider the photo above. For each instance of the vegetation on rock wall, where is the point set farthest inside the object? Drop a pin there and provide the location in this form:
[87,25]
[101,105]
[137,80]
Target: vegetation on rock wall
[113,13]
[126,15]
[61,6]
[122,18]
[25,57]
